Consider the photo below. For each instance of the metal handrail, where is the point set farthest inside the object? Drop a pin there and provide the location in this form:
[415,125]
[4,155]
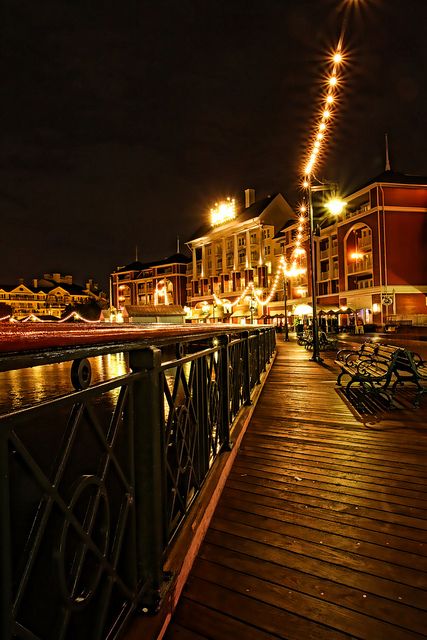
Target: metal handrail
[96,484]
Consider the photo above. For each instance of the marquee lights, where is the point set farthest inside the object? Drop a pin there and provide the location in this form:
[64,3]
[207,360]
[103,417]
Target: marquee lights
[223,211]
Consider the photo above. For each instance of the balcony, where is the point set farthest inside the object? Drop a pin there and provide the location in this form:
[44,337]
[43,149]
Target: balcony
[365,243]
[324,275]
[360,266]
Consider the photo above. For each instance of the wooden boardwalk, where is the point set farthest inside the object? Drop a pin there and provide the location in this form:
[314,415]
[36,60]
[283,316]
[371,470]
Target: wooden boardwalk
[321,531]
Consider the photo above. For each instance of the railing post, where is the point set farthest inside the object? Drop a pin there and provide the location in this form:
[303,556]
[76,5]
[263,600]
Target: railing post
[246,369]
[258,356]
[149,471]
[201,402]
[5,550]
[264,358]
[224,385]
[272,341]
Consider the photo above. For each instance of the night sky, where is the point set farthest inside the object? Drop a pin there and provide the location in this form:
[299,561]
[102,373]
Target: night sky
[123,121]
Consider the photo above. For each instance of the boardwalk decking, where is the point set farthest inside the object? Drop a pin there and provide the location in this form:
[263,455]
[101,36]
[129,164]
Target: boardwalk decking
[321,531]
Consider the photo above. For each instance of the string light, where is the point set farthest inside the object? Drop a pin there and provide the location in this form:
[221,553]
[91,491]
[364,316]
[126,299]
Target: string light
[281,271]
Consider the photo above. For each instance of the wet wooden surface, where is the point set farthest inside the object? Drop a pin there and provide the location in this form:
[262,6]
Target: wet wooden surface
[321,531]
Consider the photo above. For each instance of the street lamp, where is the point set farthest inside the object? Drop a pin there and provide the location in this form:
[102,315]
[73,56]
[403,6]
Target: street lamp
[335,207]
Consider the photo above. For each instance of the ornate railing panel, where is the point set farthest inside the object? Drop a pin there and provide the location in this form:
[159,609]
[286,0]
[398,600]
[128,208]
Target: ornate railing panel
[71,511]
[95,485]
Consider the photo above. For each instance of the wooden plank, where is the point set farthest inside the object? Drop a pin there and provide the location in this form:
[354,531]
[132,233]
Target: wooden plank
[312,471]
[293,601]
[317,484]
[306,528]
[418,526]
[271,618]
[352,532]
[199,618]
[329,591]
[322,569]
[321,530]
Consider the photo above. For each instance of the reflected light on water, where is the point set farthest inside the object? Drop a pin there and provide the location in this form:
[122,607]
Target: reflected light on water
[26,387]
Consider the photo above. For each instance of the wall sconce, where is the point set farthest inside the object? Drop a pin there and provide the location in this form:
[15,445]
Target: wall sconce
[375,307]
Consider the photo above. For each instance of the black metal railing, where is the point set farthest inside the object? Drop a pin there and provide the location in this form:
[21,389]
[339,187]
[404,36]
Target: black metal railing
[95,484]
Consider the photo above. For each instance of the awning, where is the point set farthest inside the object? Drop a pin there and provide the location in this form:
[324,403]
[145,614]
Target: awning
[303,310]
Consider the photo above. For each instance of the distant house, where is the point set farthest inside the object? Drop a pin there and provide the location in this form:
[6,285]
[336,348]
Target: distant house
[47,297]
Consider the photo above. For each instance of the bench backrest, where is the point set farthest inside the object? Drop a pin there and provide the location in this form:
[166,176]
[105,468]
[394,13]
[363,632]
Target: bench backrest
[368,349]
[383,363]
[388,352]
[407,362]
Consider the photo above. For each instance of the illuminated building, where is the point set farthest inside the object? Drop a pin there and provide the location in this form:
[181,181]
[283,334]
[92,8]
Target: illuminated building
[48,296]
[232,266]
[371,259]
[162,282]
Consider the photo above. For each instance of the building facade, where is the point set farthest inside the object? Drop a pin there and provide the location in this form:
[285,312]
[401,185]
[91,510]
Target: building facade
[48,296]
[162,282]
[372,258]
[232,266]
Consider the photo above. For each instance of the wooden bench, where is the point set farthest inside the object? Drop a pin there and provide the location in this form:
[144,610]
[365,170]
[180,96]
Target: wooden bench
[410,367]
[349,359]
[372,372]
[324,341]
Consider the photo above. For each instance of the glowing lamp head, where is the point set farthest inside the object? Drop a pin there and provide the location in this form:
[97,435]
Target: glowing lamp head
[337,58]
[336,206]
[305,184]
[329,99]
[333,81]
[356,255]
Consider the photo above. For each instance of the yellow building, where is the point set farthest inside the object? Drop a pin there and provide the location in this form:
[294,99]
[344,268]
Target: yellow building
[233,272]
[47,296]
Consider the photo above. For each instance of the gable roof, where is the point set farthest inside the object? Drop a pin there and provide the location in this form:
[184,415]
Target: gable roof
[176,258]
[394,177]
[247,213]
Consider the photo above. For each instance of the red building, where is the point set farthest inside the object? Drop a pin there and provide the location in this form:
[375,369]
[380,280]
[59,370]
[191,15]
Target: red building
[151,283]
[372,258]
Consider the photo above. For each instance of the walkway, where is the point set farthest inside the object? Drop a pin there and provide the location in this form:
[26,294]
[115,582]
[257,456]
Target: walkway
[321,531]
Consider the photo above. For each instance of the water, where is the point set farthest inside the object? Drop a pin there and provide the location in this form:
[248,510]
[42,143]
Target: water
[26,387]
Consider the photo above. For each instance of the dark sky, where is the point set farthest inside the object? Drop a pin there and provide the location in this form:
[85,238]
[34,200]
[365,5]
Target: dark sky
[122,122]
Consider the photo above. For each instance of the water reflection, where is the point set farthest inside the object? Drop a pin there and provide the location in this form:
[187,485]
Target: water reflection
[26,387]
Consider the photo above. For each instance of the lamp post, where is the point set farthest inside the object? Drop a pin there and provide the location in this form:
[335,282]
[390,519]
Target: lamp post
[251,307]
[285,299]
[335,206]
